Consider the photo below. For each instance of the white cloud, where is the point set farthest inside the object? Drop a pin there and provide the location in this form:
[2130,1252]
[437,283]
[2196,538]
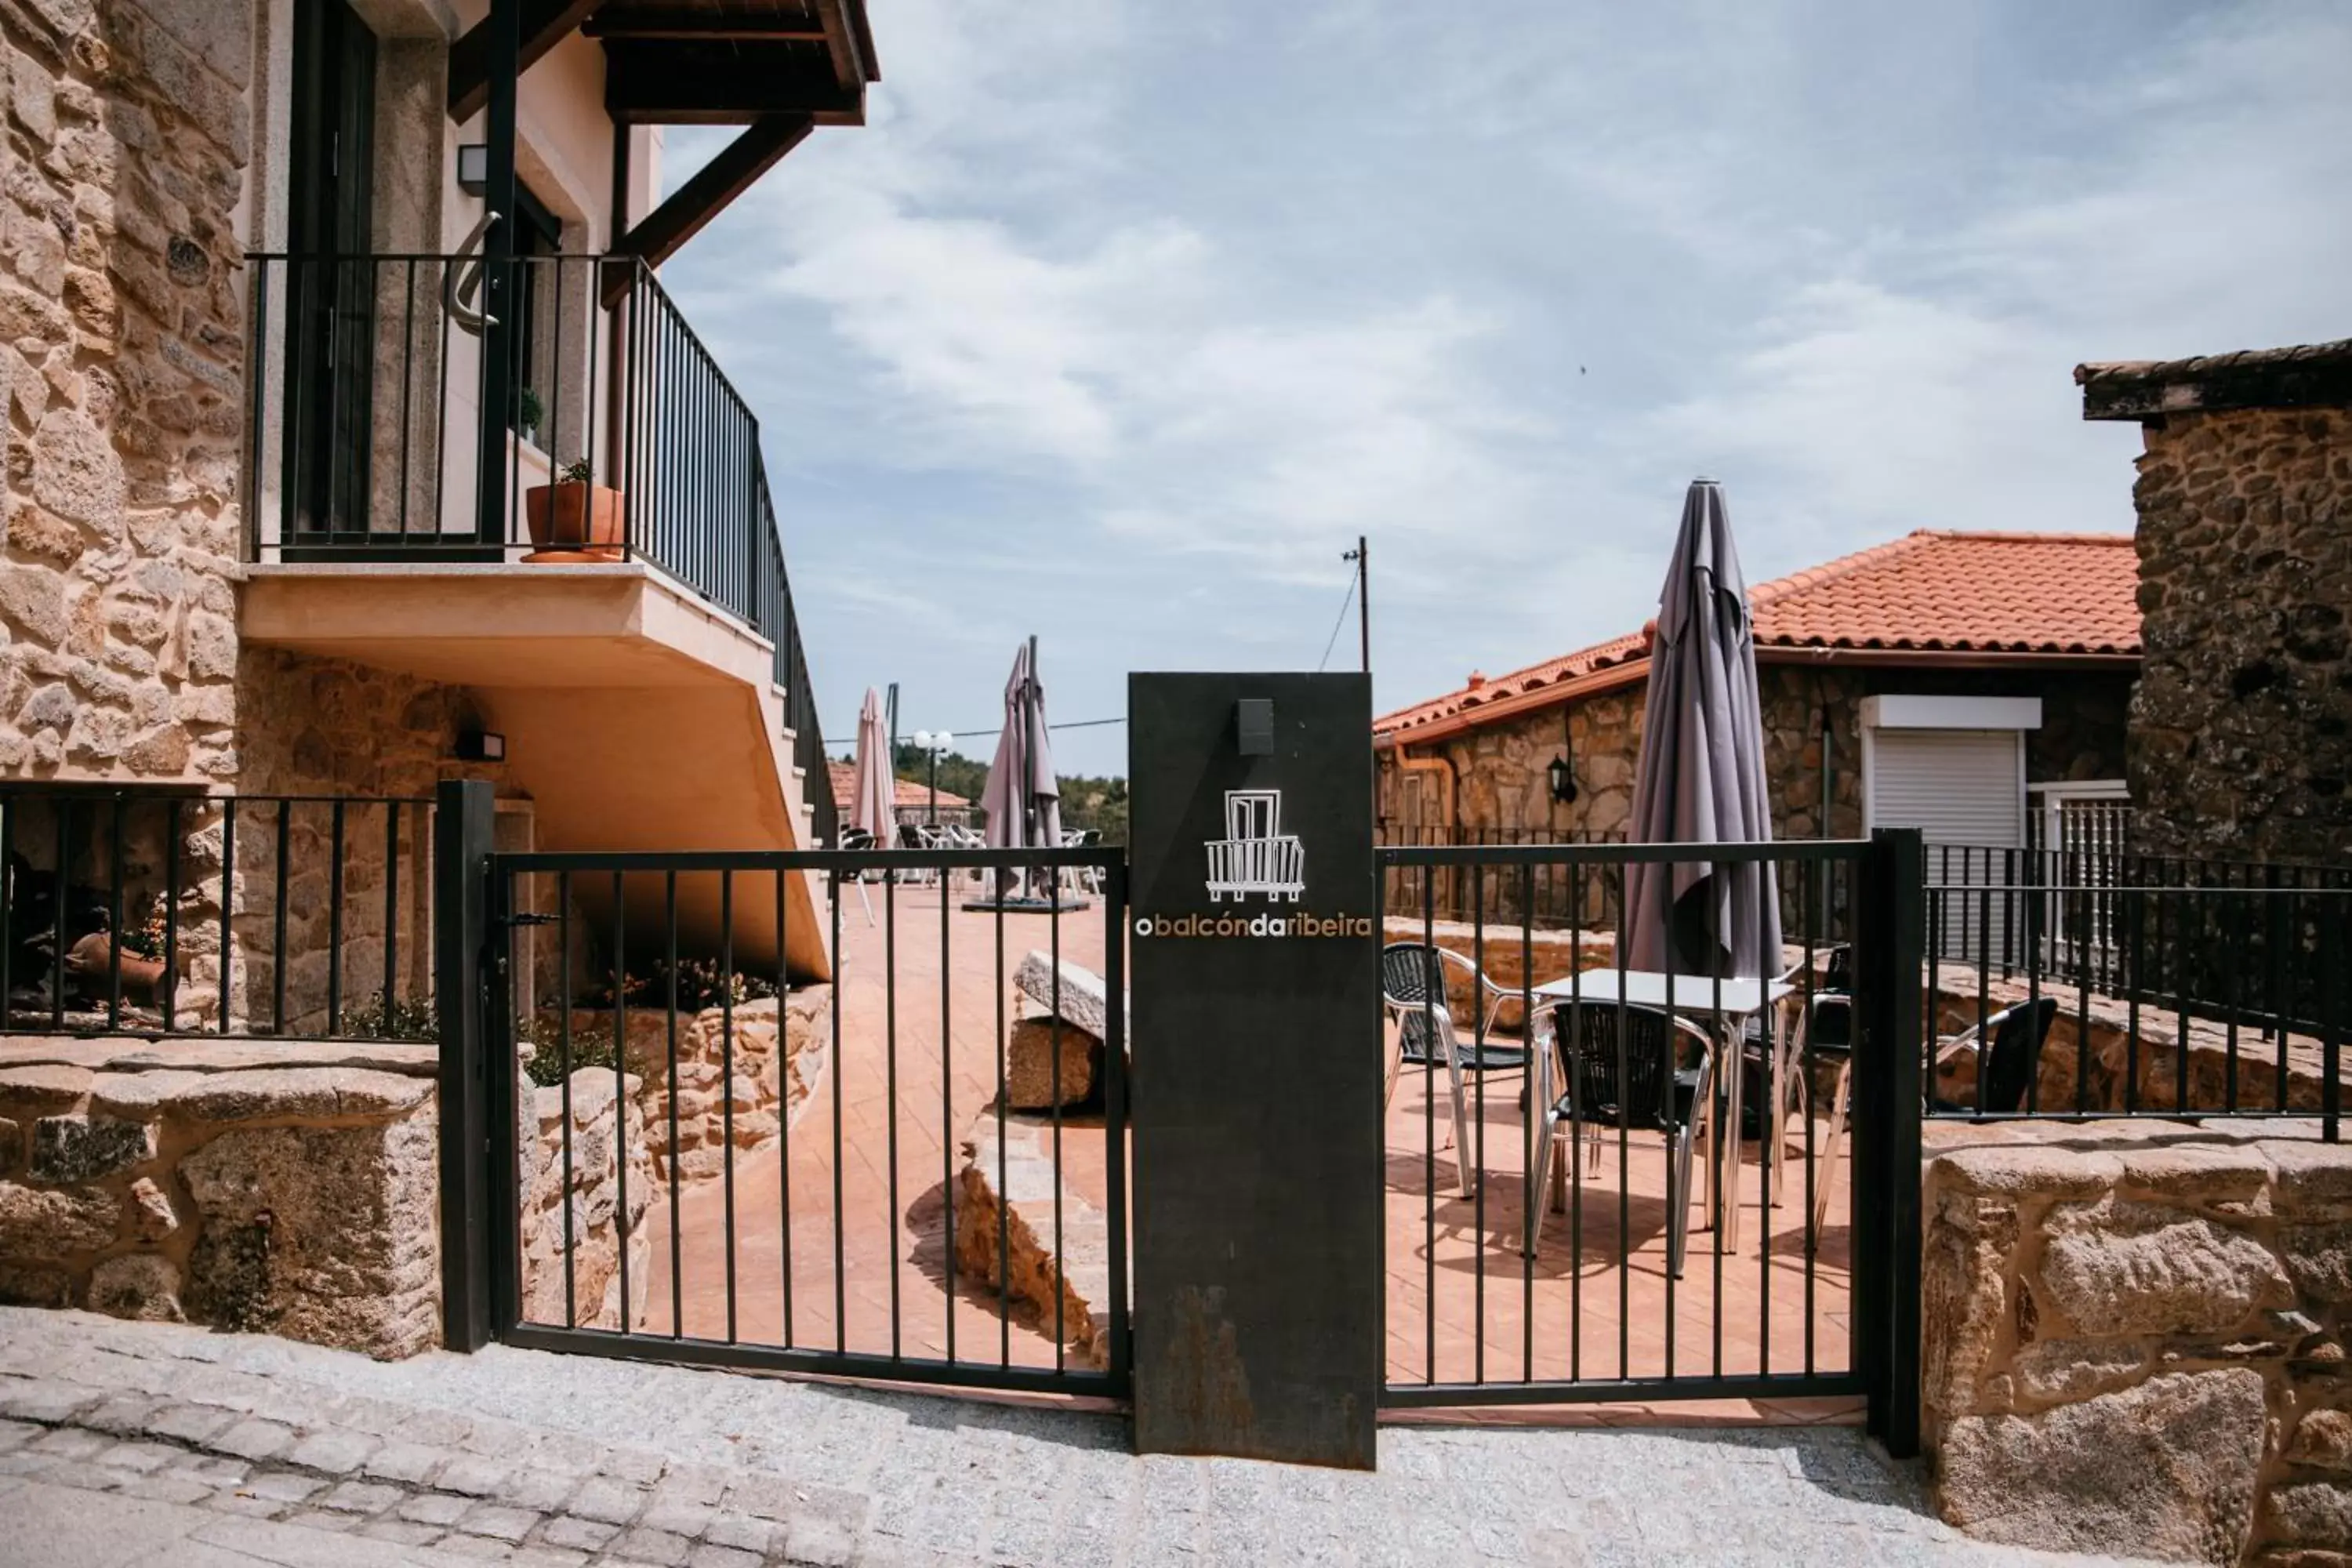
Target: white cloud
[1120,320]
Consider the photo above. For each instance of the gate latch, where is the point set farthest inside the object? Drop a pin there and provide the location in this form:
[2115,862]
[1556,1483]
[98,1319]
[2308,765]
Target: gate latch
[529,920]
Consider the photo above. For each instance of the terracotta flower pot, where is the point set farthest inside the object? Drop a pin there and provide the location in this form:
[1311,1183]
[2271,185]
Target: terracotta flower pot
[572,516]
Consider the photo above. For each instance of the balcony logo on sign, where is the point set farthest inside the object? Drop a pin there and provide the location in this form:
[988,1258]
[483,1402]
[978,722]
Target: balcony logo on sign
[1256,856]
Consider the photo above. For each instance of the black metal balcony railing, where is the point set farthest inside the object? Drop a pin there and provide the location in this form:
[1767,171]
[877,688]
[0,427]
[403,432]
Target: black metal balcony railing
[623,440]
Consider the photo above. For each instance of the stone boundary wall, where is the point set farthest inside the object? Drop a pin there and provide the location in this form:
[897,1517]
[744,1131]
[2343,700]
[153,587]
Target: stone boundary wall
[289,1188]
[591,1297]
[286,1188]
[2136,1341]
[768,1087]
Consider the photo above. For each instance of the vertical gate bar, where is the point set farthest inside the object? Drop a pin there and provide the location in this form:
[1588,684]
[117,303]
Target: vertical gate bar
[2131,959]
[1003,1221]
[1566,1050]
[621,1097]
[1908,1007]
[1479,1122]
[2172,957]
[277,920]
[1533,1118]
[169,1002]
[840,1286]
[1674,1194]
[726,1070]
[9,888]
[407,365]
[1624,1164]
[947,1110]
[783,1103]
[890,1090]
[2236,919]
[2331,1043]
[480,1214]
[1114,878]
[1053,923]
[563,1067]
[335,925]
[676,1277]
[390,897]
[228,900]
[1429,1119]
[1808,888]
[114,933]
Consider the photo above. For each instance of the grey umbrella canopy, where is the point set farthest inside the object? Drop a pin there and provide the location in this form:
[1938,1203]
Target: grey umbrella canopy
[1701,778]
[1023,801]
[873,807]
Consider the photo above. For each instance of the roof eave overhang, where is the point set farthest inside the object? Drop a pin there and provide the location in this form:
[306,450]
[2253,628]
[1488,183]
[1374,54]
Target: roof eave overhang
[1634,669]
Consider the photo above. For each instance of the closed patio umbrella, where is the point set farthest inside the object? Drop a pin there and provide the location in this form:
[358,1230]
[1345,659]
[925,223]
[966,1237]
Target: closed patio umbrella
[1023,801]
[1701,774]
[873,807]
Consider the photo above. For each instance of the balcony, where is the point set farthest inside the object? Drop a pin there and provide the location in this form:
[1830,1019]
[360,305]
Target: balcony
[593,554]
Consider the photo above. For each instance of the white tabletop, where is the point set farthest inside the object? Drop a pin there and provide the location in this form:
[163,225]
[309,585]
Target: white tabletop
[1735,998]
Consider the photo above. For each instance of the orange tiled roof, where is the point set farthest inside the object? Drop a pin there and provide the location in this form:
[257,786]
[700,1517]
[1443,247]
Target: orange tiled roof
[910,793]
[1932,591]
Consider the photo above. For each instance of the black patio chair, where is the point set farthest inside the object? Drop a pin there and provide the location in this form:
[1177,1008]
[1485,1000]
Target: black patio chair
[1412,990]
[1623,1064]
[2015,1060]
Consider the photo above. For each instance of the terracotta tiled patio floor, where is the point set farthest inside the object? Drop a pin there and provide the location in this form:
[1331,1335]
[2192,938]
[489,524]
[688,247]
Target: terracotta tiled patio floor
[892,1235]
[918,1083]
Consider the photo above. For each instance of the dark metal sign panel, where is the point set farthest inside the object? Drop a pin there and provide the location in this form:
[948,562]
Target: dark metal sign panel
[1253,929]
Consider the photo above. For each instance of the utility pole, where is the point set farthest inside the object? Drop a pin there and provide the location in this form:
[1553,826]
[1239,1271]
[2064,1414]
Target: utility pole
[1362,556]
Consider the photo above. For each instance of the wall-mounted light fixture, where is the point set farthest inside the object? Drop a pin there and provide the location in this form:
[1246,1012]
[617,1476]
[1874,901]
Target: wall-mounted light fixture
[1563,775]
[474,167]
[481,746]
[1563,781]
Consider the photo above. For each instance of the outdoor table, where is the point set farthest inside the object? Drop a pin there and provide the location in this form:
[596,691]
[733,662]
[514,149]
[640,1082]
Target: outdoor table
[1695,996]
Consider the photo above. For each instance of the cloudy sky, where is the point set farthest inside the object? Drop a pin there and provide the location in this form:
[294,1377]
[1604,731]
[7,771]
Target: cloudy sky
[1120,319]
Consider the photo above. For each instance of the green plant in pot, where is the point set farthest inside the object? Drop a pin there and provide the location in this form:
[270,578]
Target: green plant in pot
[575,513]
[529,412]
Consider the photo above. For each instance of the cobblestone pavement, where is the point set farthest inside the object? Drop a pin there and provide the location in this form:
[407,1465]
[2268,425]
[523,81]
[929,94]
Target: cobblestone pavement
[218,1449]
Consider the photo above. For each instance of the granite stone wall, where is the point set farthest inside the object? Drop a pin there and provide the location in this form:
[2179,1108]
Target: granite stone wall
[2136,1344]
[275,1189]
[1501,782]
[121,342]
[2242,725]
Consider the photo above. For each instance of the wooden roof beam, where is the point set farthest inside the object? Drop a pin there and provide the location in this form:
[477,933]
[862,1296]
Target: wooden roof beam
[840,41]
[706,194]
[688,25]
[544,25]
[666,82]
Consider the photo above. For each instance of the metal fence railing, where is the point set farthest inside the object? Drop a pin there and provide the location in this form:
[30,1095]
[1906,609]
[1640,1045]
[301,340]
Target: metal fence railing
[2139,985]
[1558,897]
[155,912]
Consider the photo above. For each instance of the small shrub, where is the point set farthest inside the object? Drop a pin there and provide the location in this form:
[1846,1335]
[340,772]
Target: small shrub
[391,1018]
[591,1047]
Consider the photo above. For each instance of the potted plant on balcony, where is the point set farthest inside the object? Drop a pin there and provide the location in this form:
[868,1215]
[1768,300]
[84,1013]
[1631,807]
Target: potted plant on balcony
[575,516]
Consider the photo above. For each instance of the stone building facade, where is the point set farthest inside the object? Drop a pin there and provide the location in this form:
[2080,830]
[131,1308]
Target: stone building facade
[2242,725]
[1504,785]
[1984,628]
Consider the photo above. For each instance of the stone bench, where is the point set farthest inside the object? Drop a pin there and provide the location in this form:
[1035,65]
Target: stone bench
[1072,1006]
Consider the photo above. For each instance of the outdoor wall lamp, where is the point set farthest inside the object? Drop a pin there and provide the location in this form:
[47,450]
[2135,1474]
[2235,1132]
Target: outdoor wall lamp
[481,746]
[1563,781]
[474,167]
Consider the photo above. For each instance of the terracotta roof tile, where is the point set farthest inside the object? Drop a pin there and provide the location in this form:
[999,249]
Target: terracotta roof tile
[1931,590]
[910,793]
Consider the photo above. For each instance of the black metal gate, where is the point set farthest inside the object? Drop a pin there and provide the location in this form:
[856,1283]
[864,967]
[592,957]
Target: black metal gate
[718,1165]
[1569,1214]
[829,1227]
